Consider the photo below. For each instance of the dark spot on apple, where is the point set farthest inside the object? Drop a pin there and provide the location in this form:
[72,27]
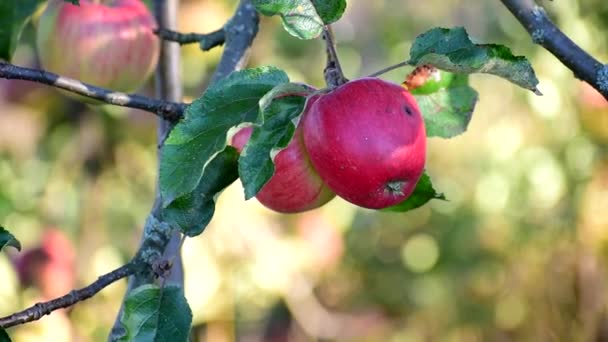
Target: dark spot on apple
[407,110]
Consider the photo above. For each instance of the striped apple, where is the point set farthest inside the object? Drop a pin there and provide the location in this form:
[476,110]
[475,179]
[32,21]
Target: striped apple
[107,43]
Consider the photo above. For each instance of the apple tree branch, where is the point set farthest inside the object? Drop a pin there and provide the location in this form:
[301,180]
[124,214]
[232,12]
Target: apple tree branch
[168,110]
[240,31]
[149,262]
[206,41]
[544,32]
[39,310]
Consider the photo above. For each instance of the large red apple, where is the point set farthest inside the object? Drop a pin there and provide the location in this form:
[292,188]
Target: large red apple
[367,141]
[107,43]
[295,186]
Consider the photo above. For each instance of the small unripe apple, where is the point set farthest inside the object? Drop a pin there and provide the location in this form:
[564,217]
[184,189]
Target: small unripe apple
[107,43]
[295,186]
[367,141]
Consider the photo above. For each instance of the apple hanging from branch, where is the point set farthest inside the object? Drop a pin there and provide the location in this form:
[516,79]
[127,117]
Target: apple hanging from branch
[366,139]
[107,43]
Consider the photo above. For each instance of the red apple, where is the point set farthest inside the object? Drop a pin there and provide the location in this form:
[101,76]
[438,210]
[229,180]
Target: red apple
[367,141]
[107,43]
[295,186]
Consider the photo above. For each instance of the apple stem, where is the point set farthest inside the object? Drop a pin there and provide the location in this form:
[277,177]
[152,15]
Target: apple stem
[389,68]
[334,76]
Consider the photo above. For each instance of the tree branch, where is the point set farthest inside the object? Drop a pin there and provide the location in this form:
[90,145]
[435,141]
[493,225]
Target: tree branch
[39,310]
[168,86]
[240,31]
[207,41]
[545,33]
[165,109]
[149,263]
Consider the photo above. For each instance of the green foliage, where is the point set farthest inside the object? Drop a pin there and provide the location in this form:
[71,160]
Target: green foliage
[280,113]
[303,18]
[453,50]
[423,193]
[193,212]
[7,239]
[4,336]
[448,110]
[202,133]
[75,2]
[153,313]
[14,14]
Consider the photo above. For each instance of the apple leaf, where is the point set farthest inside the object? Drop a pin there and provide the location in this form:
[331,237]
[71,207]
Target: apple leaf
[193,212]
[423,193]
[156,314]
[448,110]
[14,14]
[453,50]
[4,336]
[202,133]
[7,239]
[303,18]
[280,112]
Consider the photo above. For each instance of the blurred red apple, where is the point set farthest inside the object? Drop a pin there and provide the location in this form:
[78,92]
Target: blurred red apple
[50,267]
[107,43]
[593,112]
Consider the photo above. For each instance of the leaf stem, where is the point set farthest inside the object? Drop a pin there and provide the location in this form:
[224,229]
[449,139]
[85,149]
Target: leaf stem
[389,68]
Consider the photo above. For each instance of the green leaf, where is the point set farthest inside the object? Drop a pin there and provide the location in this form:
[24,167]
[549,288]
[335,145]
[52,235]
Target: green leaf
[4,336]
[193,212]
[7,239]
[453,50]
[423,193]
[303,18]
[447,111]
[280,112]
[202,133]
[75,2]
[14,14]
[156,314]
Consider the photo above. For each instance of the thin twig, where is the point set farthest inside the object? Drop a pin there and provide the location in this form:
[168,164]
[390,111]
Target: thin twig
[545,33]
[390,68]
[165,109]
[39,310]
[207,41]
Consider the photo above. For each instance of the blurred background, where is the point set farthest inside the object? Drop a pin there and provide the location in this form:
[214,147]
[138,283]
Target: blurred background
[518,253]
